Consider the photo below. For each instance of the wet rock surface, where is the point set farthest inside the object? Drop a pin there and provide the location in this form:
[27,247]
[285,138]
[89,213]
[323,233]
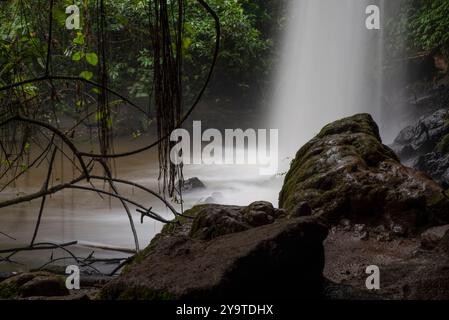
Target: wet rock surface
[379,213]
[346,172]
[425,145]
[217,220]
[423,136]
[246,255]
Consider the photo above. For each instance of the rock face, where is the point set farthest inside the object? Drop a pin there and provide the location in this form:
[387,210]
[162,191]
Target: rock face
[228,252]
[35,284]
[346,172]
[430,100]
[425,145]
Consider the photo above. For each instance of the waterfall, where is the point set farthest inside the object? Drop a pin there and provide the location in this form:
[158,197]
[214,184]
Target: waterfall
[330,67]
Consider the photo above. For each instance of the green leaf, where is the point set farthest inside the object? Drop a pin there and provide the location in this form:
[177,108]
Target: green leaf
[86,75]
[79,39]
[77,56]
[92,58]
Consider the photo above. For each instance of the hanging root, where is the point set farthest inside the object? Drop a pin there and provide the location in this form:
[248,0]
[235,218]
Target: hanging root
[20,125]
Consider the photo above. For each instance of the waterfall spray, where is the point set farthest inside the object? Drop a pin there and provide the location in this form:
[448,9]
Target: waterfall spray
[330,68]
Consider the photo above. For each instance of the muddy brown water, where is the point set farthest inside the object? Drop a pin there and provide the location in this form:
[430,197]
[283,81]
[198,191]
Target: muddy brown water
[76,215]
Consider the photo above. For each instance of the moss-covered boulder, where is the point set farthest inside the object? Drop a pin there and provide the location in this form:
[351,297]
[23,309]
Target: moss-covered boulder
[33,284]
[346,172]
[225,252]
[212,221]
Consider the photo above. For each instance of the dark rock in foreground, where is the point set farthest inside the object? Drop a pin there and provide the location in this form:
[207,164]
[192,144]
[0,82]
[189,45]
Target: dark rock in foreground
[244,255]
[36,284]
[346,172]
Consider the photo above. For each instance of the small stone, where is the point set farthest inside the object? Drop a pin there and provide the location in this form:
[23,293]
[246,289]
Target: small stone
[364,236]
[264,206]
[192,184]
[379,229]
[361,235]
[432,237]
[384,237]
[345,222]
[398,230]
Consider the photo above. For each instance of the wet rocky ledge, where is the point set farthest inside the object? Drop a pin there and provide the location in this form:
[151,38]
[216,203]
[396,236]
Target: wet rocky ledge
[347,203]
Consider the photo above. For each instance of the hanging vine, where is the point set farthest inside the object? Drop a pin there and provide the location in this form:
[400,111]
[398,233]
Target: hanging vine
[22,120]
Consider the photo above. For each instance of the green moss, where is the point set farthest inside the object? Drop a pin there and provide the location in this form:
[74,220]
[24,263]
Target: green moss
[360,123]
[139,293]
[168,229]
[443,145]
[312,175]
[305,165]
[9,291]
[181,220]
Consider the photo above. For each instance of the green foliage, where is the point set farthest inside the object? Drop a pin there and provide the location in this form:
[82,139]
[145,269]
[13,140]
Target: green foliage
[87,75]
[20,47]
[243,61]
[418,26]
[242,58]
[92,58]
[429,25]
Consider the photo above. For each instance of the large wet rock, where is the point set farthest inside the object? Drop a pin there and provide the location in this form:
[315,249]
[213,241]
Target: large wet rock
[422,137]
[425,145]
[346,172]
[228,252]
